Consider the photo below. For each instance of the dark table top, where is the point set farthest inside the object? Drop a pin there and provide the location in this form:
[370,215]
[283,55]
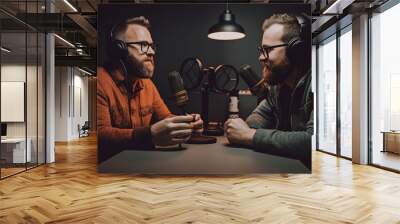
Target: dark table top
[218,158]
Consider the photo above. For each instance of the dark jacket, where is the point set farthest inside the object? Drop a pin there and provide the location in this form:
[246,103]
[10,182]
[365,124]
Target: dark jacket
[285,122]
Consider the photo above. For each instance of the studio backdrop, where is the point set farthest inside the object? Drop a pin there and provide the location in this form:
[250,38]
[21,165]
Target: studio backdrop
[181,47]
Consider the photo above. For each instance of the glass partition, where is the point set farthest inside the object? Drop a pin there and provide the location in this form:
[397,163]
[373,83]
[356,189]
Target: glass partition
[31,98]
[22,88]
[13,95]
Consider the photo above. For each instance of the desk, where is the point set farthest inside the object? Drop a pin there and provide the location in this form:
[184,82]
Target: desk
[13,150]
[217,158]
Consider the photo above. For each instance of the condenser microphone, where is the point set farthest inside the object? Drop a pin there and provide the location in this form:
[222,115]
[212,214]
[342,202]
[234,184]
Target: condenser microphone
[256,84]
[178,89]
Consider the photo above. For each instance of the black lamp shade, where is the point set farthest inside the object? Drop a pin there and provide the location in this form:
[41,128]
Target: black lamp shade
[226,28]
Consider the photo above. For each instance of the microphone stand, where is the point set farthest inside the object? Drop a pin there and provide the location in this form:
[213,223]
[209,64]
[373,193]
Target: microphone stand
[196,137]
[205,93]
[202,138]
[184,113]
[205,96]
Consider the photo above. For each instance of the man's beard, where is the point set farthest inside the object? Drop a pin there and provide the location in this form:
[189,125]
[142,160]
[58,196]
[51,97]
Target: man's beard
[136,69]
[278,73]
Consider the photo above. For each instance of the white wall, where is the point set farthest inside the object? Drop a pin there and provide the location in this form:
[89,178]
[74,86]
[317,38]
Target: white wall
[12,73]
[80,111]
[61,103]
[71,94]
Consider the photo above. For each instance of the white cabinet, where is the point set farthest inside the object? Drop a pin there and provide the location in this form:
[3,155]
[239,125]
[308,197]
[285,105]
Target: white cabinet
[13,150]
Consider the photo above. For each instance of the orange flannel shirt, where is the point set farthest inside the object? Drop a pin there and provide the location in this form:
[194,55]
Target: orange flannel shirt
[124,123]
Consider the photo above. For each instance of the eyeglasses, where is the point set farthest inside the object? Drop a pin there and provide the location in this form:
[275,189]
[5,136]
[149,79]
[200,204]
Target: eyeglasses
[265,50]
[144,46]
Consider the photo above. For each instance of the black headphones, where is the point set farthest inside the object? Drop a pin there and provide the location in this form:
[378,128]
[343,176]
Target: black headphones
[297,45]
[118,50]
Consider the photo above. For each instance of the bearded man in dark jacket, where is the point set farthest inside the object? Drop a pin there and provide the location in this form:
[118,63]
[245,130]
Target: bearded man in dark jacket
[282,124]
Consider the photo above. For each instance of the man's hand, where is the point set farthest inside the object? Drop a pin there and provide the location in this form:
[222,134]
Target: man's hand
[172,130]
[197,123]
[238,132]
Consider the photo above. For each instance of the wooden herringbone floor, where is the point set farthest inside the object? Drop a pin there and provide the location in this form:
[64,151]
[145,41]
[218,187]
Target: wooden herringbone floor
[70,191]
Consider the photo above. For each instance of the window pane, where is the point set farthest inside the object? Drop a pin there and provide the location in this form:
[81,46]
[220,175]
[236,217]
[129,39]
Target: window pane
[314,84]
[385,84]
[345,94]
[327,96]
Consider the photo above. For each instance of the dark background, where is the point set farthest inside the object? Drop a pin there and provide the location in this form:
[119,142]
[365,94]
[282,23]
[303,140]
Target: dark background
[180,31]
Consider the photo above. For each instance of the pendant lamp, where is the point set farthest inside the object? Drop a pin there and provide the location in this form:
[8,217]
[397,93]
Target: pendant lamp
[226,28]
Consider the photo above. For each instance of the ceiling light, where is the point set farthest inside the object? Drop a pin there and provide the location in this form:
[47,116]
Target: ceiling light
[65,41]
[70,5]
[84,71]
[337,7]
[5,50]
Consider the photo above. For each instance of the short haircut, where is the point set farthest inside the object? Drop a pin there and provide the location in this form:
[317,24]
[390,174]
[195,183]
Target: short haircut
[292,26]
[121,28]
